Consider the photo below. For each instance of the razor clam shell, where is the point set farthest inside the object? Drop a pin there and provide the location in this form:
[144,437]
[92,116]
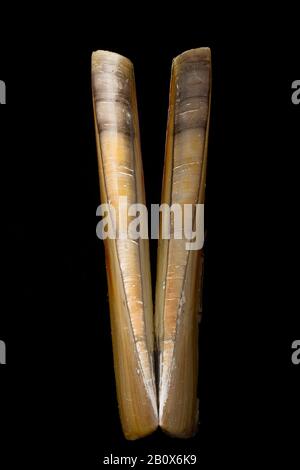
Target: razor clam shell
[179,272]
[127,261]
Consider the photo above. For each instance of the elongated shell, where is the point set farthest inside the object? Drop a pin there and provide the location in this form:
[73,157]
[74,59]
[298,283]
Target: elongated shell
[127,260]
[179,270]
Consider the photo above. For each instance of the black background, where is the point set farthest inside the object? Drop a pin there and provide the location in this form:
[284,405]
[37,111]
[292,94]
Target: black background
[57,390]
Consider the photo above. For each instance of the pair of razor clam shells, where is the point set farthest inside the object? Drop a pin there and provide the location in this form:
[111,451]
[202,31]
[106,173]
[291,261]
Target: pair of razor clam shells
[170,399]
